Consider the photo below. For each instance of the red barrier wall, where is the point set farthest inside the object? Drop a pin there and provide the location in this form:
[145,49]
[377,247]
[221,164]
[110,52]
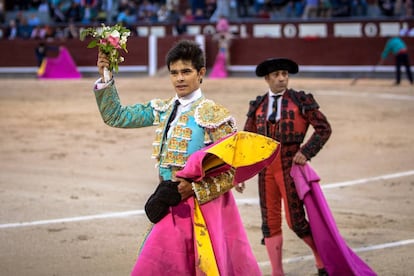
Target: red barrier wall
[244,51]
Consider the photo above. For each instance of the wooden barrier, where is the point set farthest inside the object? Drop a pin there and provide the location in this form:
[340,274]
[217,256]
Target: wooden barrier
[244,51]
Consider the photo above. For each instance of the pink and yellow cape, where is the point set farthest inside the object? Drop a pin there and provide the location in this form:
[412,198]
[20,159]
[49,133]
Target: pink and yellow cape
[208,239]
[60,67]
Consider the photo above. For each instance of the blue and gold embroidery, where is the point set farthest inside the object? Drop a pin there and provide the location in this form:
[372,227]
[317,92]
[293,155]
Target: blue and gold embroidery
[195,129]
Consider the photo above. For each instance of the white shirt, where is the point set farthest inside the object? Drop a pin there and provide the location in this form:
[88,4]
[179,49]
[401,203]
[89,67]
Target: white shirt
[185,105]
[270,105]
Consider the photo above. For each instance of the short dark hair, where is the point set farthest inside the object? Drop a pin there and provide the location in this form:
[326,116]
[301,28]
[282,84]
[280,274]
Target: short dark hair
[187,50]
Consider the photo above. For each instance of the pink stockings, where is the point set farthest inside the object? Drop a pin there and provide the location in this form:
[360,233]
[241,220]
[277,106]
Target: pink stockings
[274,250]
[309,241]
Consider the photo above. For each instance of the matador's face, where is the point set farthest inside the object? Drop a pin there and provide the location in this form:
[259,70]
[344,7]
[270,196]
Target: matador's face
[277,80]
[185,78]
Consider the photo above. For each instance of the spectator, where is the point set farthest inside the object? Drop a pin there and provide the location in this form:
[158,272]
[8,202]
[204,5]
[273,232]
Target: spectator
[43,7]
[188,15]
[180,26]
[342,8]
[38,32]
[263,13]
[295,8]
[74,13]
[89,14]
[243,8]
[197,4]
[24,30]
[387,7]
[33,20]
[359,8]
[2,14]
[124,17]
[152,17]
[325,9]
[21,5]
[172,5]
[199,15]
[311,9]
[43,11]
[11,30]
[107,11]
[174,15]
[34,4]
[146,9]
[57,13]
[89,3]
[211,6]
[59,33]
[162,13]
[408,9]
[223,9]
[71,31]
[124,4]
[50,33]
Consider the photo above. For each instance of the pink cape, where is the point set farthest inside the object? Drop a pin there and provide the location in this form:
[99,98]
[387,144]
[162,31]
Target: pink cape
[219,70]
[338,258]
[60,67]
[169,248]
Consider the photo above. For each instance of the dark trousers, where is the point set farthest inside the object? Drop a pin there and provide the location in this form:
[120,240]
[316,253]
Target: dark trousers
[402,60]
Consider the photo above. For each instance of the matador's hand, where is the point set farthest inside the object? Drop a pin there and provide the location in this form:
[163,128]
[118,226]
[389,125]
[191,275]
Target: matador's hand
[185,188]
[103,62]
[299,158]
[240,187]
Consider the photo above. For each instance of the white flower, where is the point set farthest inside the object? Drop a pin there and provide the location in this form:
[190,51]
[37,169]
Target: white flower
[115,33]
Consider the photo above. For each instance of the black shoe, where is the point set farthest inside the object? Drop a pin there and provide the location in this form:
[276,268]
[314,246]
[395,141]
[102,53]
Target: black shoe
[322,272]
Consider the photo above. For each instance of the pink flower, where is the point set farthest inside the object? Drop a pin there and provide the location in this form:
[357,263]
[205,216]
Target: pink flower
[114,41]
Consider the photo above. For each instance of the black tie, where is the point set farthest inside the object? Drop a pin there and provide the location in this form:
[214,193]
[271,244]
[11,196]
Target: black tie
[172,116]
[272,117]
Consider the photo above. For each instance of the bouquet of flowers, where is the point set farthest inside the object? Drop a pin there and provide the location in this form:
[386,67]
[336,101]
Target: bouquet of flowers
[110,40]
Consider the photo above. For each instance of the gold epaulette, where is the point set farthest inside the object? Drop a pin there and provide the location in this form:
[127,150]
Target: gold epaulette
[160,105]
[211,115]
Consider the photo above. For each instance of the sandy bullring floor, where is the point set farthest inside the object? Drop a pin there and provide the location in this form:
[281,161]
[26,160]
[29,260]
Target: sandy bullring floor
[72,189]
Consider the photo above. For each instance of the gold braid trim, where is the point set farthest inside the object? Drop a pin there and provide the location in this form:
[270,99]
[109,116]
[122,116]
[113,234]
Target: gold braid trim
[211,115]
[160,105]
[212,187]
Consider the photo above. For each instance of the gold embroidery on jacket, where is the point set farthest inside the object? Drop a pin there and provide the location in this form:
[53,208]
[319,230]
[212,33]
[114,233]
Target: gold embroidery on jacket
[212,187]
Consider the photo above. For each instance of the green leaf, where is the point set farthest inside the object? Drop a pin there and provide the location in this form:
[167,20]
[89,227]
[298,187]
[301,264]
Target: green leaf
[92,44]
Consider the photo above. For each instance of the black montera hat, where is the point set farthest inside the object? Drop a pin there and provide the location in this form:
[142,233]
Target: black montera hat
[274,64]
